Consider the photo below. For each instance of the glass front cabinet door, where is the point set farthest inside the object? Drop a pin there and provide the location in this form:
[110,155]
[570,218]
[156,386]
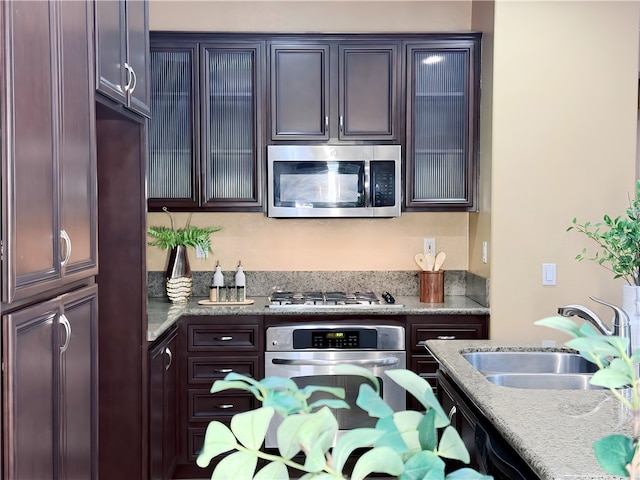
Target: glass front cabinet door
[203,131]
[442,119]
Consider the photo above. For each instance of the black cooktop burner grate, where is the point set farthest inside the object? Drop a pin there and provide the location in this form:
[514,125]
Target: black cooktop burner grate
[324,298]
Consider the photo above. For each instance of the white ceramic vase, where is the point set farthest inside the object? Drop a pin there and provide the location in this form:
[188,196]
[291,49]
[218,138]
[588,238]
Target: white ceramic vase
[631,306]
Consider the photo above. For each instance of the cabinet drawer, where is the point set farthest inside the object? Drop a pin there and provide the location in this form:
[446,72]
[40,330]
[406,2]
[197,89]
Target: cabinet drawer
[426,366]
[211,337]
[205,406]
[420,333]
[207,370]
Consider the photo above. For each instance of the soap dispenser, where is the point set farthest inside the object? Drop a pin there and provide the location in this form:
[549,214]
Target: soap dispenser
[218,281]
[240,283]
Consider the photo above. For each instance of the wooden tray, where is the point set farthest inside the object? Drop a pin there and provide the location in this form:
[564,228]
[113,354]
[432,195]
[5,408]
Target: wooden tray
[224,304]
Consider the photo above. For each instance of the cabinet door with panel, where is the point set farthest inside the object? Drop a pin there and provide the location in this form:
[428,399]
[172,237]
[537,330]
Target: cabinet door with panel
[174,135]
[210,348]
[443,85]
[206,128]
[462,418]
[50,388]
[163,410]
[49,187]
[368,92]
[438,327]
[122,52]
[300,91]
[345,90]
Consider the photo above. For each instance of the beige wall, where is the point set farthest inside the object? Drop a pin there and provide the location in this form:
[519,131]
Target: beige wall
[309,16]
[563,145]
[321,244]
[363,244]
[480,222]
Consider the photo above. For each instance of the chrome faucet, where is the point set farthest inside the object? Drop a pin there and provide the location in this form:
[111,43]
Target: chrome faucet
[621,324]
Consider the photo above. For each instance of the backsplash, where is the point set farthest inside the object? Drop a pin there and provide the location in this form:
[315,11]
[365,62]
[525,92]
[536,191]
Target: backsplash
[402,282]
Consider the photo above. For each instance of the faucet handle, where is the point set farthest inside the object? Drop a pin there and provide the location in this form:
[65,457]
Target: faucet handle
[620,317]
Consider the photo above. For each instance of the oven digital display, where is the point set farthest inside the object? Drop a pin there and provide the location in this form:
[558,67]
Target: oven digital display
[335,339]
[327,338]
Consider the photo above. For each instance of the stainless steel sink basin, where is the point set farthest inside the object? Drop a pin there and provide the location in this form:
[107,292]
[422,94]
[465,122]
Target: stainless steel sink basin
[553,381]
[529,362]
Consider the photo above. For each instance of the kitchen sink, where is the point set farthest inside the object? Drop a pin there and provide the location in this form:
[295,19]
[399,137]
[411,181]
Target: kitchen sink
[547,362]
[552,381]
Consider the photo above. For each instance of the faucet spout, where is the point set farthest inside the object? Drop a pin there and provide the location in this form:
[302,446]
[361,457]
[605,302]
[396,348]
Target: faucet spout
[621,326]
[585,314]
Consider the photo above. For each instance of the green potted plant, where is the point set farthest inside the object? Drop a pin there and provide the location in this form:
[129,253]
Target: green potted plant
[617,454]
[618,241]
[179,281]
[406,445]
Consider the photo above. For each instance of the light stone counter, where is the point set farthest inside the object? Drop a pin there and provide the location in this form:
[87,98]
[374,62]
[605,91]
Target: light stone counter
[552,430]
[161,314]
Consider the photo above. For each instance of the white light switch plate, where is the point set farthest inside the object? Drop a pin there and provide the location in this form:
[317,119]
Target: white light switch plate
[548,274]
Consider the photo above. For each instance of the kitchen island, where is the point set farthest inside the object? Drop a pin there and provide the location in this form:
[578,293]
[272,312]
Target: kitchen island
[551,430]
[162,314]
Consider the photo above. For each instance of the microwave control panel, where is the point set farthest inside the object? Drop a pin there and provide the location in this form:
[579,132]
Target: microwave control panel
[383,183]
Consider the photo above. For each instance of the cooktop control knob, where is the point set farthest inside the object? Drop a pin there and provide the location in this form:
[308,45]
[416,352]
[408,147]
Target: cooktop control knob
[388,297]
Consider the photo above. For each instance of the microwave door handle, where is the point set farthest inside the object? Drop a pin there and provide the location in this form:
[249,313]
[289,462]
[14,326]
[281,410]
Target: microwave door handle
[377,362]
[367,185]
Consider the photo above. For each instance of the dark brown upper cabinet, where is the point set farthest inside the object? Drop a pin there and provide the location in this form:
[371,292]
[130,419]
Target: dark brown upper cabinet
[49,193]
[122,46]
[345,90]
[443,84]
[205,132]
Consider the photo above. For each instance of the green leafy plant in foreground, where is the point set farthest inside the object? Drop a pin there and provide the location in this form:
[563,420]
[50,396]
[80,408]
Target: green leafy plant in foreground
[189,236]
[617,371]
[402,444]
[618,241]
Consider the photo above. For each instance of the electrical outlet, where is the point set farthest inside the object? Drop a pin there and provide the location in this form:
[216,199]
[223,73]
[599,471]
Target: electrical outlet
[200,252]
[429,246]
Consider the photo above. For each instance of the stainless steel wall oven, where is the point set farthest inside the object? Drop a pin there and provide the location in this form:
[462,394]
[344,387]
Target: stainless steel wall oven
[309,353]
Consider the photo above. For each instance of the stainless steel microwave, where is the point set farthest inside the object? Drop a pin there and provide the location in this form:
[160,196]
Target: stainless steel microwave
[333,180]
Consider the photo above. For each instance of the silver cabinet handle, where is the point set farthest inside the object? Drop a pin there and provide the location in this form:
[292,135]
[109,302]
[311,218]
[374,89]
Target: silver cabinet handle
[452,412]
[67,328]
[67,240]
[341,123]
[224,339]
[223,370]
[134,79]
[225,406]
[446,337]
[167,351]
[128,69]
[131,80]
[326,122]
[364,361]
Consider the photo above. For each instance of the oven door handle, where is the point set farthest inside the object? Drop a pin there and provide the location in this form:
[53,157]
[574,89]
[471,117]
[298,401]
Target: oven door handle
[377,362]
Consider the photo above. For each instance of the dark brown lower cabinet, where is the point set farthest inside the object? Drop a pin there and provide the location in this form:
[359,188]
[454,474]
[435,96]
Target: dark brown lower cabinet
[490,454]
[49,353]
[211,347]
[163,411]
[421,328]
[462,419]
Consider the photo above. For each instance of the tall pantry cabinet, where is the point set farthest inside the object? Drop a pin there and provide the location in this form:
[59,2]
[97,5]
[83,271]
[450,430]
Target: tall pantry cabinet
[48,241]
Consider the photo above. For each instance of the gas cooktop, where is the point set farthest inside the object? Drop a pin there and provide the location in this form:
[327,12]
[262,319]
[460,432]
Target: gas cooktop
[327,299]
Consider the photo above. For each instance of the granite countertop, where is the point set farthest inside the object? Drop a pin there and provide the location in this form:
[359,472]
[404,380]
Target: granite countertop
[552,430]
[161,314]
